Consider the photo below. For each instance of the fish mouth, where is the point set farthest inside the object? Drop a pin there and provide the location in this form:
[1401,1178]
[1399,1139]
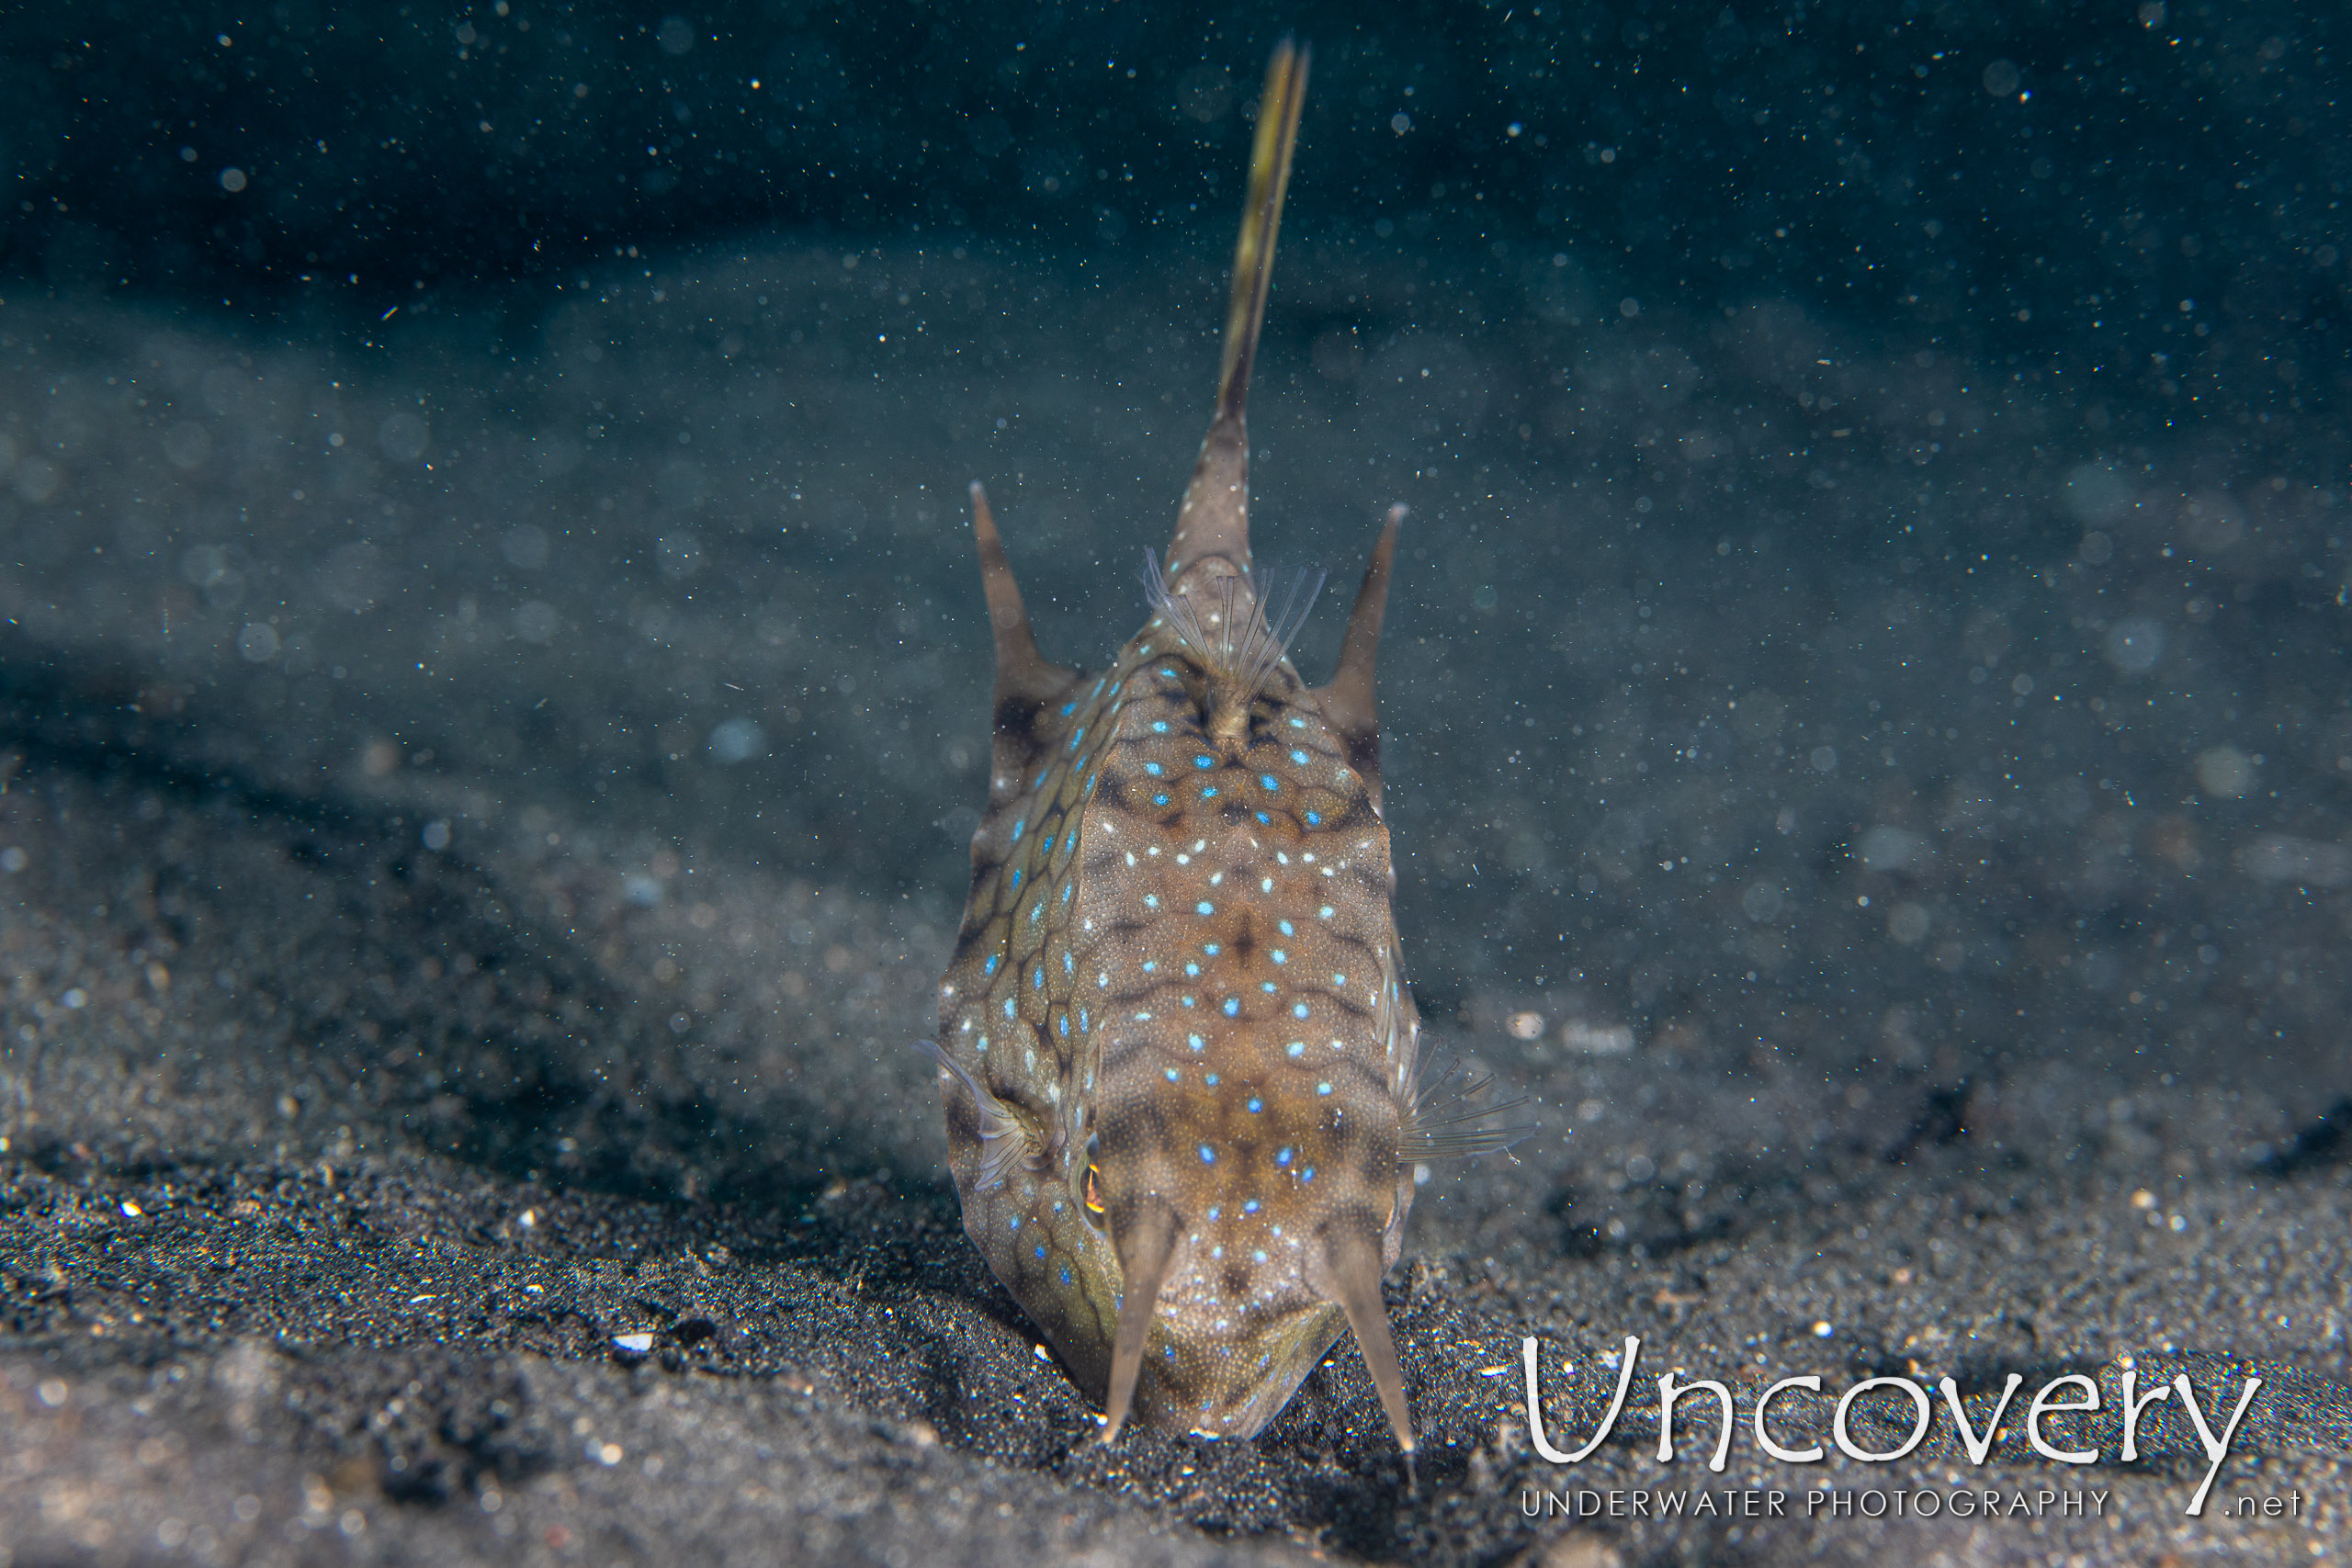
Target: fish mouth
[1229,1383]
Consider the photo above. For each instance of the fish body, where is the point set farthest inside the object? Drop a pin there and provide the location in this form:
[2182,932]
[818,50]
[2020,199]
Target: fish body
[1176,1052]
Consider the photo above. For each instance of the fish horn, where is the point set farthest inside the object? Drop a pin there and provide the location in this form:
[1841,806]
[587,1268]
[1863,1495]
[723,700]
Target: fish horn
[1347,701]
[1146,1245]
[1214,520]
[1023,674]
[1351,1270]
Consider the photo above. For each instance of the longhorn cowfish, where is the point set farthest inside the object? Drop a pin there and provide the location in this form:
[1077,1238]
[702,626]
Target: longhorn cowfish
[1178,1058]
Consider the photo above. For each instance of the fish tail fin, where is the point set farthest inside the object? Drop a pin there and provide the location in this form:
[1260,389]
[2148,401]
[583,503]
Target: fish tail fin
[1254,253]
[1214,520]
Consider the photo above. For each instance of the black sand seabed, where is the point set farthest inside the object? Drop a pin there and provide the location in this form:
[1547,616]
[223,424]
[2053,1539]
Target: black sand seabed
[484,812]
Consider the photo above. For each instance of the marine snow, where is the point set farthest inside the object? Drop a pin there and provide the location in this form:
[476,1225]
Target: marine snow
[1885,848]
[2280,857]
[2224,771]
[737,741]
[2135,644]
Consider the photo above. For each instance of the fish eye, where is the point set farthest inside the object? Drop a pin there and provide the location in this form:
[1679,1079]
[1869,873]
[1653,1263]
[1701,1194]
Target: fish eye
[1091,1207]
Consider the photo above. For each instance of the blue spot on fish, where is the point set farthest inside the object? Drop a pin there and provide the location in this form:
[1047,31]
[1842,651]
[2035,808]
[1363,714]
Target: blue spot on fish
[1314,819]
[1159,800]
[1153,769]
[1160,727]
[1282,1157]
[1278,956]
[1299,757]
[1256,1105]
[1284,926]
[989,967]
[1211,1081]
[1204,762]
[1298,1009]
[1208,1155]
[1233,1006]
[1209,793]
[1016,879]
[1195,1042]
[1270,781]
[1204,907]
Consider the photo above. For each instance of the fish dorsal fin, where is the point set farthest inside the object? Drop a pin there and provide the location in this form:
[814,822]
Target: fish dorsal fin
[1349,704]
[1023,674]
[1350,1275]
[1240,640]
[1146,1245]
[1214,519]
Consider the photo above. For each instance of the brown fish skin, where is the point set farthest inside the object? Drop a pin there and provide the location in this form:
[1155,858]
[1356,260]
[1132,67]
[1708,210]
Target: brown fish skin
[1176,1053]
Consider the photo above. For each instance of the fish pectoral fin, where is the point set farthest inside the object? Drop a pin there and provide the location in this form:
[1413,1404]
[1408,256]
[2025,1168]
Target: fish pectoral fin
[1349,703]
[1005,1138]
[1442,1122]
[1349,1272]
[1023,673]
[1146,1245]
